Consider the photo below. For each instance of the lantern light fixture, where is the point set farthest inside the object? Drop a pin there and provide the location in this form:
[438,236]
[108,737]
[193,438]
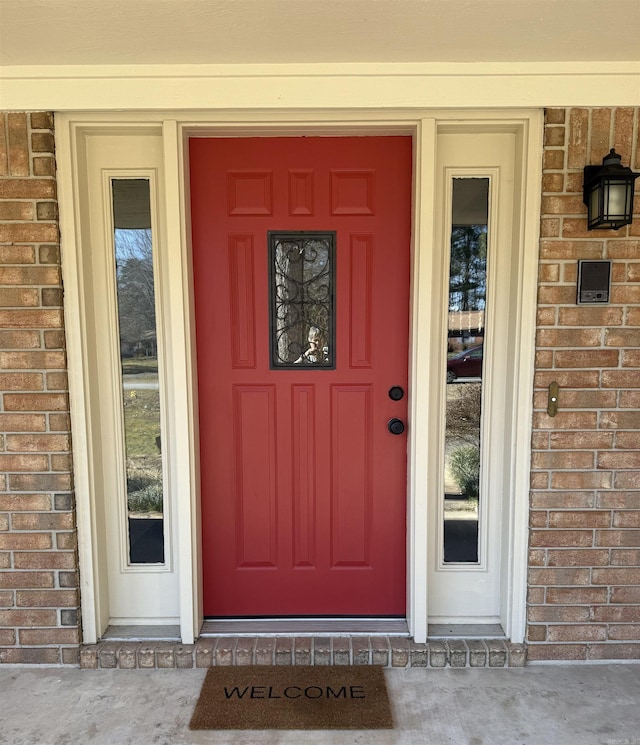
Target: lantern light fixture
[608,193]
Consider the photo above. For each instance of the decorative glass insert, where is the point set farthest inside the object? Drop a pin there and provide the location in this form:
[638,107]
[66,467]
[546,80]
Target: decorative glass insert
[302,299]
[133,248]
[465,346]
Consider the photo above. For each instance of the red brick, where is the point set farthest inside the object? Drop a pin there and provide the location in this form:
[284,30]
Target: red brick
[576,227]
[557,538]
[26,502]
[19,339]
[61,462]
[554,136]
[565,652]
[562,205]
[33,319]
[559,576]
[587,359]
[25,541]
[553,159]
[563,500]
[6,598]
[569,379]
[23,422]
[625,594]
[578,633]
[577,595]
[626,480]
[620,419]
[40,637]
[32,360]
[580,420]
[613,538]
[21,580]
[29,275]
[537,633]
[28,617]
[630,631]
[18,144]
[7,636]
[600,130]
[615,460]
[614,652]
[20,462]
[42,142]
[42,521]
[622,337]
[558,614]
[563,459]
[623,294]
[554,116]
[630,359]
[19,297]
[42,120]
[35,402]
[587,316]
[616,614]
[621,379]
[584,557]
[628,400]
[47,598]
[623,249]
[44,560]
[552,182]
[537,519]
[623,133]
[581,480]
[37,443]
[584,519]
[625,557]
[32,188]
[57,381]
[66,541]
[552,295]
[581,440]
[28,233]
[59,422]
[572,337]
[578,138]
[21,381]
[616,576]
[44,166]
[42,656]
[40,482]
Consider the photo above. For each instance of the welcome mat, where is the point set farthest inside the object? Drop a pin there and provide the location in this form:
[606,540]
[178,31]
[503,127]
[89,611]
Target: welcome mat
[293,697]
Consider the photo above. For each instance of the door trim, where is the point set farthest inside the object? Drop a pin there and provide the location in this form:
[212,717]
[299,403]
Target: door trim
[425,371]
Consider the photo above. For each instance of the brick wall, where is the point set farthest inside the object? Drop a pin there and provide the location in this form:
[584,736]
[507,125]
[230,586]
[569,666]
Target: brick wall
[38,563]
[584,575]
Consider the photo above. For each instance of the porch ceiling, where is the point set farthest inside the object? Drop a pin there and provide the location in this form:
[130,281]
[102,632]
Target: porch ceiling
[151,32]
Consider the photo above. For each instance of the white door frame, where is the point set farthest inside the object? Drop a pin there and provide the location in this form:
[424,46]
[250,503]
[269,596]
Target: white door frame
[426,333]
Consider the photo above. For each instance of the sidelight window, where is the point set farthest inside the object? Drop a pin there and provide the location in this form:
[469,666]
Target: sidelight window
[140,386]
[466,371]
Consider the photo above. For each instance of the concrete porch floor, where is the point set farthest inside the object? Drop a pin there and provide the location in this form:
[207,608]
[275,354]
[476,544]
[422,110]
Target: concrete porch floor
[535,705]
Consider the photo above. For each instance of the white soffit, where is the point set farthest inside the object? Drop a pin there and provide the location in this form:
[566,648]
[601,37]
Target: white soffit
[175,32]
[66,54]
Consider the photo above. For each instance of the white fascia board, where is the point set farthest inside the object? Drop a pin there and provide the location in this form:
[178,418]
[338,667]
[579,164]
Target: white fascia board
[325,86]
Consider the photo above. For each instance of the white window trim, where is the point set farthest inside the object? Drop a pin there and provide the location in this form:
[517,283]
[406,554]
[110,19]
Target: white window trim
[425,372]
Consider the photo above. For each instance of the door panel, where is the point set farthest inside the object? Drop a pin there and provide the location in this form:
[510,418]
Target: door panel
[303,486]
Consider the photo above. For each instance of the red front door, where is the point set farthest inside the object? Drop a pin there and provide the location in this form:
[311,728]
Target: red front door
[303,484]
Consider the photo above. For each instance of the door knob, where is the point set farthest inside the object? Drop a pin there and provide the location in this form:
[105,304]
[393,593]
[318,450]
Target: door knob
[396,393]
[395,426]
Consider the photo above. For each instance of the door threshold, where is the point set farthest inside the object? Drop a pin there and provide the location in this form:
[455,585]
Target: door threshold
[304,627]
[465,631]
[142,633]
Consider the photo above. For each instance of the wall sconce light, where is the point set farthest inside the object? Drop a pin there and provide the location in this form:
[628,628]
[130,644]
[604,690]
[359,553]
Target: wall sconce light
[608,193]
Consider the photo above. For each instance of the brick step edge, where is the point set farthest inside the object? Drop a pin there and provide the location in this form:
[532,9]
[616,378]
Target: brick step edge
[226,651]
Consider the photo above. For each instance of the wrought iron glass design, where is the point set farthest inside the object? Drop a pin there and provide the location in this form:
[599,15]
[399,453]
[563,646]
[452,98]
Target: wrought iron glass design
[302,299]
